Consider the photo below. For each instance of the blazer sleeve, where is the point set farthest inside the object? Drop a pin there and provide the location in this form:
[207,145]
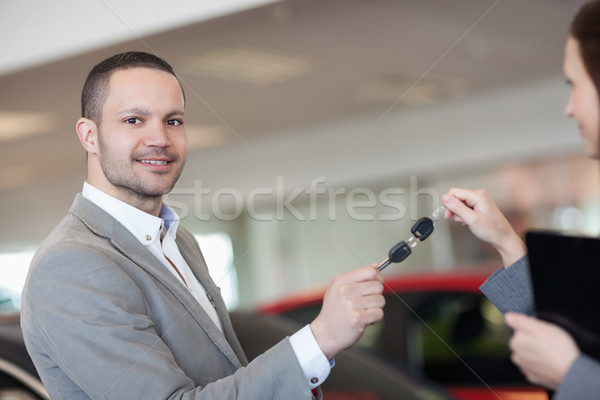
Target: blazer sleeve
[86,326]
[510,289]
[581,382]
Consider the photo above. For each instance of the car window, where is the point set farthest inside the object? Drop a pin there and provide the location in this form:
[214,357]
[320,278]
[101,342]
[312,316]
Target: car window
[450,337]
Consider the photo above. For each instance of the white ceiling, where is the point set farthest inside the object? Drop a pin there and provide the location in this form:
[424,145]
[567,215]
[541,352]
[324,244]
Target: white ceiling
[369,91]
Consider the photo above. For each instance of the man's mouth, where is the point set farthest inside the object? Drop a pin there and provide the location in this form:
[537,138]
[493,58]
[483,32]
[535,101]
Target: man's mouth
[154,162]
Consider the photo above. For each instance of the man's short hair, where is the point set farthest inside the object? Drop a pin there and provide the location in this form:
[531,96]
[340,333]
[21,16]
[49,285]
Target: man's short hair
[95,89]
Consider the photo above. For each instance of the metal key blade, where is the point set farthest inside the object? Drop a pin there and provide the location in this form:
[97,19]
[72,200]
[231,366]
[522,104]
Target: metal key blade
[438,213]
[384,264]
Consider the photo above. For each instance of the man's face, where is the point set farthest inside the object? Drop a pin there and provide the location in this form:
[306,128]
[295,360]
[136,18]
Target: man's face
[583,103]
[142,142]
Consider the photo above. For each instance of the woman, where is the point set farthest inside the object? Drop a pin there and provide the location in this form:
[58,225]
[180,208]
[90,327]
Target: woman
[546,353]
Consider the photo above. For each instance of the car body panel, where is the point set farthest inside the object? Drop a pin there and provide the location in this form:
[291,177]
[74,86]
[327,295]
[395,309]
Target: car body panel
[18,377]
[356,375]
[437,325]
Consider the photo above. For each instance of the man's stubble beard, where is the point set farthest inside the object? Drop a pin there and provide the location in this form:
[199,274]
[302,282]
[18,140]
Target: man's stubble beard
[122,175]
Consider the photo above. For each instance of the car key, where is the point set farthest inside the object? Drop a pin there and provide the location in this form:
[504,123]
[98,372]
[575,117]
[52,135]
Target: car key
[423,227]
[397,253]
[420,230]
[438,213]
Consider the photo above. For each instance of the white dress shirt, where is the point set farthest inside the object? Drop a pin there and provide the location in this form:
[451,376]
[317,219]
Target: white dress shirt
[149,229]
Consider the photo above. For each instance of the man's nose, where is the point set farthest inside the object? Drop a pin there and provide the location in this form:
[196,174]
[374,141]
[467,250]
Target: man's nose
[157,136]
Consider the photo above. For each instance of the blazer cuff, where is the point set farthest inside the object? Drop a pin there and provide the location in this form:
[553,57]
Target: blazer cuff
[510,289]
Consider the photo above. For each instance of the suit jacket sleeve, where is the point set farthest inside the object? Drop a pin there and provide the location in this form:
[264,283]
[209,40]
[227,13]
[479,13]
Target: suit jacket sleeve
[87,327]
[510,289]
[581,382]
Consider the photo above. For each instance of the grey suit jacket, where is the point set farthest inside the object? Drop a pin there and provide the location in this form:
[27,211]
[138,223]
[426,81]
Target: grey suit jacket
[104,319]
[510,289]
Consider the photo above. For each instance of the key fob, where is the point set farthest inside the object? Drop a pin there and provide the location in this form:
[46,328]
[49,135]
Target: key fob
[423,228]
[399,252]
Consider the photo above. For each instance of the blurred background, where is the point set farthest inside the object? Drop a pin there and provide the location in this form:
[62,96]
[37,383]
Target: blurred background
[319,131]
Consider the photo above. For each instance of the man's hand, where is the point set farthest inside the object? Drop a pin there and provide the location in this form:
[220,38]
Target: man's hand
[475,209]
[543,351]
[352,301]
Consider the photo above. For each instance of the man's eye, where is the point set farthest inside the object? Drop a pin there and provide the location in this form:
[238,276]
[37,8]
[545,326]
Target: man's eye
[133,121]
[174,122]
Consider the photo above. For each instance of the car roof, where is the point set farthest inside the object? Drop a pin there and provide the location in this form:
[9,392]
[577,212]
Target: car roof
[465,279]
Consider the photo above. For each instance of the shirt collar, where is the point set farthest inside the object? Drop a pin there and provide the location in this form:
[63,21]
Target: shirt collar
[145,227]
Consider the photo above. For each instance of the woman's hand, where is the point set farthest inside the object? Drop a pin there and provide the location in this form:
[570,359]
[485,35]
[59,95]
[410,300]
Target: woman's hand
[543,351]
[475,209]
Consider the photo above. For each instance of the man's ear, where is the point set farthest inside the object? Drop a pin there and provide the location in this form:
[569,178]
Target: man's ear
[87,130]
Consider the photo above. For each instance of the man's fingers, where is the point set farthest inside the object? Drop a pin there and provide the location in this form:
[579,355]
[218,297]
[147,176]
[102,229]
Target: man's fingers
[366,273]
[370,301]
[354,290]
[372,316]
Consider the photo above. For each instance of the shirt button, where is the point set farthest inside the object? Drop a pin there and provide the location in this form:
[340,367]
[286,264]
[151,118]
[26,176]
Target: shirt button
[148,237]
[314,380]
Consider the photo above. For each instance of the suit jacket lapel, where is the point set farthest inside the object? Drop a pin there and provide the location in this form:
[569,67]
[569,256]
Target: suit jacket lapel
[102,224]
[193,256]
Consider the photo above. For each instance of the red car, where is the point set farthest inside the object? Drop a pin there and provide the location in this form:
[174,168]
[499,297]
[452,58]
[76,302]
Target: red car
[438,326]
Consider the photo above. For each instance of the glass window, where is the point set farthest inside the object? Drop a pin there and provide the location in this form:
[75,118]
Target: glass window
[452,338]
[13,272]
[218,254]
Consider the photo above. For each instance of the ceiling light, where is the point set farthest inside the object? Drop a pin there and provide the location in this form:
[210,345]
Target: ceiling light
[15,125]
[247,64]
[206,136]
[392,90]
[410,91]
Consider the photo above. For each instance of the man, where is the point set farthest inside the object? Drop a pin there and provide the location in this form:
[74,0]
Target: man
[119,304]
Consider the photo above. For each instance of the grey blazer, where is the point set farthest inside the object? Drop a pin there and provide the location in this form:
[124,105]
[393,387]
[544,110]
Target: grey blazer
[510,289]
[104,319]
